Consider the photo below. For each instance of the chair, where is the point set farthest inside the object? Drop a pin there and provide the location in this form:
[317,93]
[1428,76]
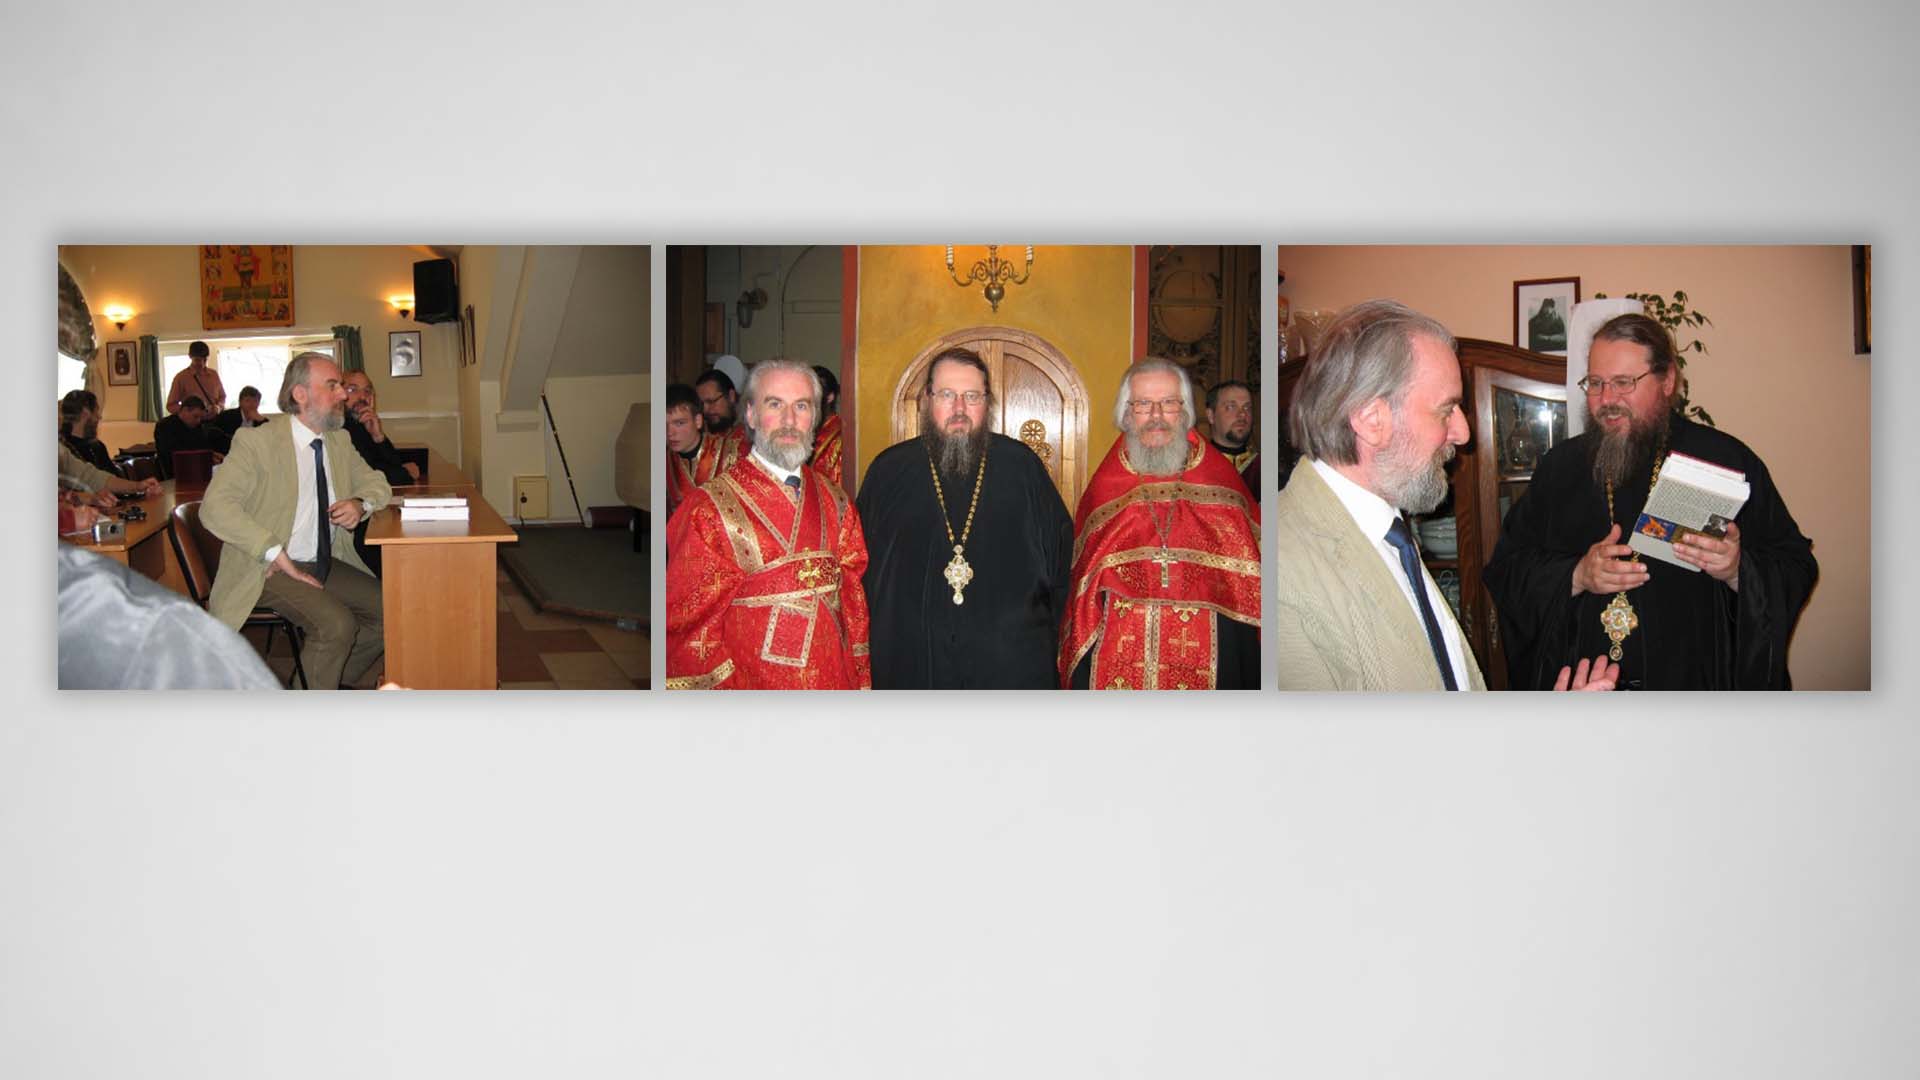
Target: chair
[138,466]
[197,551]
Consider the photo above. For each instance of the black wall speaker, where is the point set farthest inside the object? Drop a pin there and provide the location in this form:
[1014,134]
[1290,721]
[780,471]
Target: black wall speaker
[436,297]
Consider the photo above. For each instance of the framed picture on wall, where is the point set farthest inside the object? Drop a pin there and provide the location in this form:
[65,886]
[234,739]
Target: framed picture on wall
[122,366]
[1541,310]
[403,353]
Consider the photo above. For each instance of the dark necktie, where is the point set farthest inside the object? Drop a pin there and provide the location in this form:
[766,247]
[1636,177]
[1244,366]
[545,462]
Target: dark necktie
[1401,538]
[323,549]
[793,485]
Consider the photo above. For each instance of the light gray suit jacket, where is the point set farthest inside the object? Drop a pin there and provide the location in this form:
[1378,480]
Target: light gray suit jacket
[1344,623]
[250,502]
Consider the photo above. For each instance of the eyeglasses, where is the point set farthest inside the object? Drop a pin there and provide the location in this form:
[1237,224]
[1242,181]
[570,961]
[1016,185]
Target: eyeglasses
[1619,384]
[946,397]
[1165,405]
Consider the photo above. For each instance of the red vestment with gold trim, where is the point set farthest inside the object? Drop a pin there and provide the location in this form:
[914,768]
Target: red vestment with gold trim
[827,448]
[712,459]
[1154,559]
[763,593]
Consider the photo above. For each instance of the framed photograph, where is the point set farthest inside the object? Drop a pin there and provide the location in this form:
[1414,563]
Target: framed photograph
[122,367]
[403,353]
[1541,310]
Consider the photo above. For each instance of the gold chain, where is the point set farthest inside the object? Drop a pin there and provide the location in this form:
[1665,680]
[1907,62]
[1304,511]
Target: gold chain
[958,574]
[979,477]
[1618,618]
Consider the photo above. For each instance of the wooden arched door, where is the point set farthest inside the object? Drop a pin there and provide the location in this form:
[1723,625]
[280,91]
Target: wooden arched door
[1042,402]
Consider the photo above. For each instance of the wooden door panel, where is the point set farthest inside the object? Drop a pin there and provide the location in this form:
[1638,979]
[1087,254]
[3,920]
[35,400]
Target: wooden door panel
[1042,401]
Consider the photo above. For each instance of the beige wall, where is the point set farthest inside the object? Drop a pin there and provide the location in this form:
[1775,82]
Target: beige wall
[592,368]
[332,285]
[1780,374]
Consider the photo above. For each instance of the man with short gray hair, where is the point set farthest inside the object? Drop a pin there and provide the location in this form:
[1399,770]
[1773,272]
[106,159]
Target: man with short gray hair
[285,503]
[1166,556]
[1376,416]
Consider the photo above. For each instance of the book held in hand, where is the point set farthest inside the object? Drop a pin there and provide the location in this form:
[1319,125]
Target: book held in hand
[1691,496]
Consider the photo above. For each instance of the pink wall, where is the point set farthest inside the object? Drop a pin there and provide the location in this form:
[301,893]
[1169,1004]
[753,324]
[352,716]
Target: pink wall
[1780,374]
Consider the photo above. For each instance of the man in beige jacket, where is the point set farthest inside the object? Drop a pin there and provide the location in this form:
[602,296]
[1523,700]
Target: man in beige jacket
[1376,416]
[285,502]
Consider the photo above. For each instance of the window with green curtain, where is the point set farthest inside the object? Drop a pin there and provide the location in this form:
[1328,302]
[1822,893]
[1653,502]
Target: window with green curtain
[151,407]
[350,357]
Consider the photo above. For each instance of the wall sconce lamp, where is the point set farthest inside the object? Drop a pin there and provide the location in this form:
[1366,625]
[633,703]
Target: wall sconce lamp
[749,303]
[993,270]
[118,316]
[402,304]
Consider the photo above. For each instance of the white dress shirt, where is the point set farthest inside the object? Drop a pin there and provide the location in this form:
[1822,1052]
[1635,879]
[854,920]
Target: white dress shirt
[773,470]
[304,544]
[1373,516]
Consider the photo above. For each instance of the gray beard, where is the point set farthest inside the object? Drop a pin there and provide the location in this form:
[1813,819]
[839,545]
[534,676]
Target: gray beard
[790,458]
[955,455]
[1168,460]
[325,422]
[1617,456]
[1415,488]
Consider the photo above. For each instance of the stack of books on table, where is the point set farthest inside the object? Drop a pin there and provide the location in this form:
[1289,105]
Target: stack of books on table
[417,508]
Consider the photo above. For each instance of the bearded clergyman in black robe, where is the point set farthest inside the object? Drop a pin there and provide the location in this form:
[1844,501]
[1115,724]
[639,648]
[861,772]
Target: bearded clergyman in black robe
[1563,560]
[969,547]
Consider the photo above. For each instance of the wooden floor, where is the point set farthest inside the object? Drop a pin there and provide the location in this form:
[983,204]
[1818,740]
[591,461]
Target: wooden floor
[540,651]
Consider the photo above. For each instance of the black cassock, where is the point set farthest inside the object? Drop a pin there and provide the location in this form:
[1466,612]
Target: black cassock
[1695,633]
[1005,635]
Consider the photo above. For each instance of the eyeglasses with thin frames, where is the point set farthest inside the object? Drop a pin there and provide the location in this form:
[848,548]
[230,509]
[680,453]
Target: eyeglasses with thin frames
[1621,385]
[1165,405]
[947,397]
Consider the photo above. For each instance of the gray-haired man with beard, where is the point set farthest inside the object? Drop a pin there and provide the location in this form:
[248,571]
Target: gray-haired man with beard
[764,560]
[1567,584]
[1376,416]
[968,546]
[285,503]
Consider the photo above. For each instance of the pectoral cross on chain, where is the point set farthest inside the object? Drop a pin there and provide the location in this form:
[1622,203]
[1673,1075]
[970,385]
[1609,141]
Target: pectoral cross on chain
[1166,560]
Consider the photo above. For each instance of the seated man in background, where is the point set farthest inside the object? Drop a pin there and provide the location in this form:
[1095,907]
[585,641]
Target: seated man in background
[80,429]
[247,414]
[77,475]
[369,435]
[290,544]
[187,430]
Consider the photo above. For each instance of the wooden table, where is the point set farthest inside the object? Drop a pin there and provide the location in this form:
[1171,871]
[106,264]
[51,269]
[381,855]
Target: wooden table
[145,547]
[438,588]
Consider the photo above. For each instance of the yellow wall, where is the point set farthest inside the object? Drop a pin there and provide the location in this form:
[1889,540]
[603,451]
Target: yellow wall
[1780,374]
[1080,300]
[331,285]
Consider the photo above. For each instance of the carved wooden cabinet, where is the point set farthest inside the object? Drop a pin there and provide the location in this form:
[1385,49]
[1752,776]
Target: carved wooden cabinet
[1516,405]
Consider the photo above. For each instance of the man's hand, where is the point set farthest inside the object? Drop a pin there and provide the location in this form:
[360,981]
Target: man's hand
[1605,567]
[369,420]
[150,486]
[346,513]
[218,457]
[282,564]
[412,469]
[1719,558]
[104,500]
[1600,676]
